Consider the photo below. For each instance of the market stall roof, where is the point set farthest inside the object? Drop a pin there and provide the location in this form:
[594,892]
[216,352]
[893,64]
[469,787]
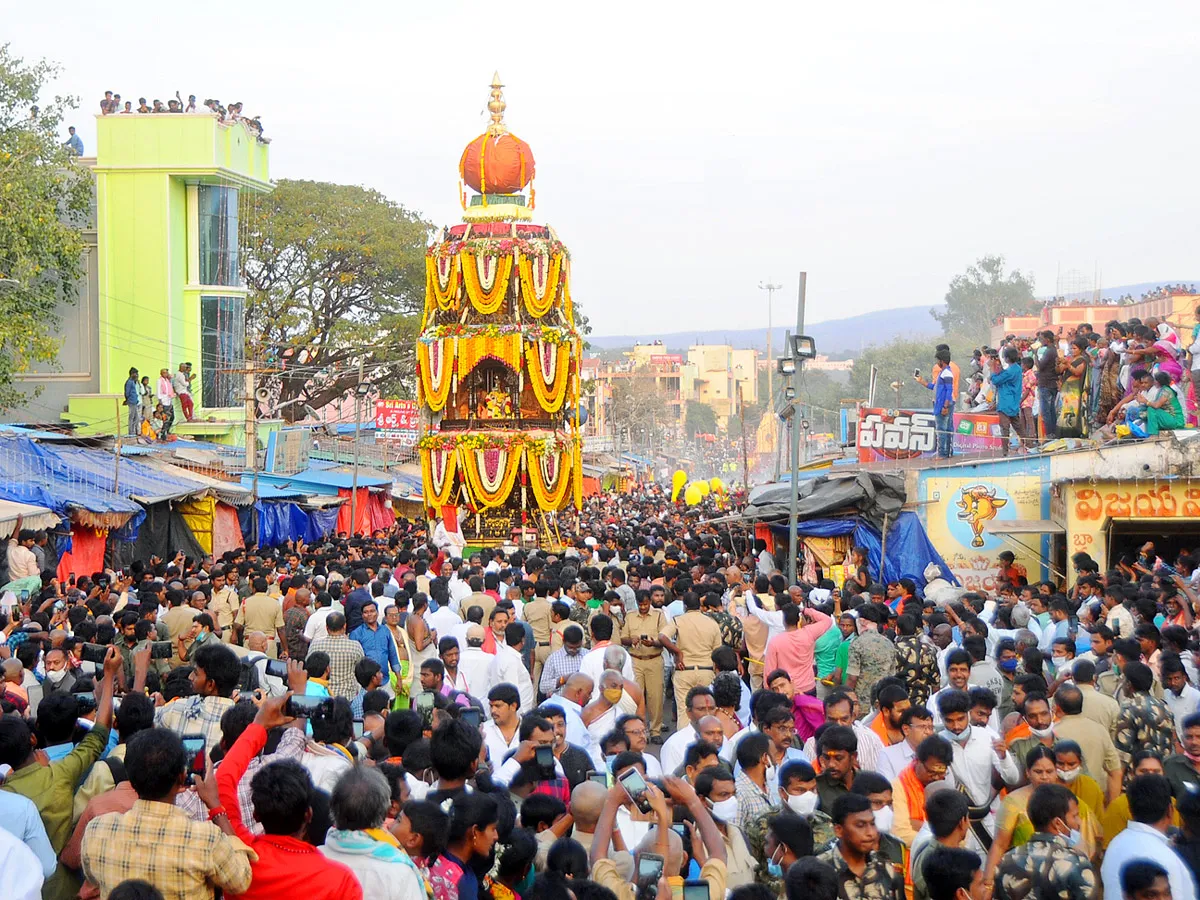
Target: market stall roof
[231,492]
[872,495]
[31,516]
[1024,526]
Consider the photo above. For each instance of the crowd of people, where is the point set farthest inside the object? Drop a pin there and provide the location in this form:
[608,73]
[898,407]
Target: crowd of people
[153,410]
[1133,380]
[650,710]
[112,105]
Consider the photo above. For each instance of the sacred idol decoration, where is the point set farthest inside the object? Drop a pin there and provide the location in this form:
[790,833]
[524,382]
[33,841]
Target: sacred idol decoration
[498,353]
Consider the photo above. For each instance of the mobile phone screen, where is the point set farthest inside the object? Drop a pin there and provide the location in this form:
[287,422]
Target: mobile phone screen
[193,746]
[650,867]
[471,716]
[300,705]
[633,783]
[695,890]
[358,728]
[544,757]
[277,667]
[599,777]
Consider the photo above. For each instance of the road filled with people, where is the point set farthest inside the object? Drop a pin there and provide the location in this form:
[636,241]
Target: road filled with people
[650,709]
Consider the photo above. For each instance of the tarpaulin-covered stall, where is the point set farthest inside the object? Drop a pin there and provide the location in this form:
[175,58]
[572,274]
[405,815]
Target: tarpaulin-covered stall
[872,495]
[214,524]
[30,516]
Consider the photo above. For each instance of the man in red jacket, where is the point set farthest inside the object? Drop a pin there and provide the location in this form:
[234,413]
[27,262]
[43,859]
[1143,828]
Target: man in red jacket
[288,866]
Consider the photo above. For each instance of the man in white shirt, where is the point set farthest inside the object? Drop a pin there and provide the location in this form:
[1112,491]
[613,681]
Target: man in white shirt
[314,628]
[570,699]
[765,561]
[1145,838]
[977,754]
[501,732]
[604,654]
[1181,697]
[474,665]
[21,561]
[916,724]
[699,704]
[773,619]
[443,620]
[509,668]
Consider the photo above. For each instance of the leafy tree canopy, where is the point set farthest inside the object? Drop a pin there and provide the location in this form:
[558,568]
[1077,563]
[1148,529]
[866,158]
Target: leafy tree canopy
[700,418]
[44,201]
[336,275]
[981,294]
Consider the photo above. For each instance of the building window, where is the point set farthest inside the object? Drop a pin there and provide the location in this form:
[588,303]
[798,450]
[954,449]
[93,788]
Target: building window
[222,350]
[219,236]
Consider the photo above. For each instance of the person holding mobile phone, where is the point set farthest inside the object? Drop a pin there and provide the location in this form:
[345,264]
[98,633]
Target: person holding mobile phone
[661,840]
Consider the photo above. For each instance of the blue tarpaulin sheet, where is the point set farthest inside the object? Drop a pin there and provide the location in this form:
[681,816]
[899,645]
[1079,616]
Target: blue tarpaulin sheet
[908,548]
[66,478]
[282,522]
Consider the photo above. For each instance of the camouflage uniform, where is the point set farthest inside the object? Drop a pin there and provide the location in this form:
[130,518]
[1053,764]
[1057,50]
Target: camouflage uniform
[731,628]
[878,881]
[756,839]
[1145,723]
[916,666]
[1045,868]
[872,657]
[581,614]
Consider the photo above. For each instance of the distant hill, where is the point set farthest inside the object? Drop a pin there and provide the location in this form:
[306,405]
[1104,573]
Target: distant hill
[834,337]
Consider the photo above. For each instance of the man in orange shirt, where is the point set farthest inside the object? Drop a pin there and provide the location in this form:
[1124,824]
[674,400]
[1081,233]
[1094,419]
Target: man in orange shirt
[893,701]
[932,763]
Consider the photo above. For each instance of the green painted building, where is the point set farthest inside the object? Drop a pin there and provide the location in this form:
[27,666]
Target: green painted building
[172,191]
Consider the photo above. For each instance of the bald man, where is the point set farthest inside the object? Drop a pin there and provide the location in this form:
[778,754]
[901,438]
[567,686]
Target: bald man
[587,802]
[570,699]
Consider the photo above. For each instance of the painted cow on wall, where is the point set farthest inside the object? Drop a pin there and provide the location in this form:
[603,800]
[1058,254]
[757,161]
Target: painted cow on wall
[979,505]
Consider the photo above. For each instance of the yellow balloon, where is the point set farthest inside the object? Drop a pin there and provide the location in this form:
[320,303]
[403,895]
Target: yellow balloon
[717,485]
[692,495]
[702,487]
[678,480]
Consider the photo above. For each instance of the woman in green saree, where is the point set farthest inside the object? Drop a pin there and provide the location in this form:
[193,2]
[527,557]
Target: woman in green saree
[1165,411]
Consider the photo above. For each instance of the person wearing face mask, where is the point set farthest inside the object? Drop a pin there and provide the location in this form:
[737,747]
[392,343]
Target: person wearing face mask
[716,787]
[1068,763]
[798,793]
[863,872]
[600,716]
[59,679]
[593,662]
[930,764]
[1048,865]
[1014,826]
[878,790]
[1100,758]
[1036,727]
[639,634]
[978,753]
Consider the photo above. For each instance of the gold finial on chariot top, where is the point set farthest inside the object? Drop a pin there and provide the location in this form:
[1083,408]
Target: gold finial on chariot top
[496,107]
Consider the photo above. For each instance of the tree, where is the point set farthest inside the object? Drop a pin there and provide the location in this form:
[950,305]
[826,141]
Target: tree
[44,201]
[981,294]
[336,275]
[700,418]
[896,361]
[635,406]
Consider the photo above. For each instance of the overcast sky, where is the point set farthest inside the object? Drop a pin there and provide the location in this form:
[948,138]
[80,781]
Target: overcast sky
[687,151]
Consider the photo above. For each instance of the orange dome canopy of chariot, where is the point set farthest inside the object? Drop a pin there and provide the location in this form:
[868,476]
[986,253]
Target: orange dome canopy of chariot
[498,379]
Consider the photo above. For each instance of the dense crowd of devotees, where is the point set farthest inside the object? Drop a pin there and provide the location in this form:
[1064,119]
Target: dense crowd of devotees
[652,711]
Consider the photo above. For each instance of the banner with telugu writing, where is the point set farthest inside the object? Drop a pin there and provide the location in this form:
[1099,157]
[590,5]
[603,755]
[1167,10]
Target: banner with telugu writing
[900,434]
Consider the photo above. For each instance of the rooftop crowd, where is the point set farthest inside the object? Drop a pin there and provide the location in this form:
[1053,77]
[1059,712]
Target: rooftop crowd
[1133,379]
[112,105]
[652,711]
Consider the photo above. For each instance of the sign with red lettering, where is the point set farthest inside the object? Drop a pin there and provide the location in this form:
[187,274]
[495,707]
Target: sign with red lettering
[665,359]
[396,420]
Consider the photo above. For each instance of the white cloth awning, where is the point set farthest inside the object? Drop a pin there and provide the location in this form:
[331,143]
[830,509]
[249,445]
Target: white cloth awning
[36,517]
[1024,526]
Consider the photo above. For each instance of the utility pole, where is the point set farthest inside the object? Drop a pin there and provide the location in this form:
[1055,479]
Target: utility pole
[251,429]
[795,448]
[357,426]
[117,457]
[745,458]
[770,289]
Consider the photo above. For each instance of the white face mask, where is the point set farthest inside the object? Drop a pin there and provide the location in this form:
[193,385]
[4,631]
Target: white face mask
[1069,775]
[726,810]
[803,804]
[57,676]
[1041,732]
[883,818]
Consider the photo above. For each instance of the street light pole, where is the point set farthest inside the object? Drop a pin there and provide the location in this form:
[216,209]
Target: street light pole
[770,289]
[795,447]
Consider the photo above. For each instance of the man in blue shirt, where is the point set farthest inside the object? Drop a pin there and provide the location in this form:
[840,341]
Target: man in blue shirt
[133,399]
[74,143]
[942,386]
[376,641]
[1007,382]
[356,599]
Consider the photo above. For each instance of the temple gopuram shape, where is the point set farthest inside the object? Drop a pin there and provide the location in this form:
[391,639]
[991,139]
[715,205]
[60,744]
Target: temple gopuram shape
[498,355]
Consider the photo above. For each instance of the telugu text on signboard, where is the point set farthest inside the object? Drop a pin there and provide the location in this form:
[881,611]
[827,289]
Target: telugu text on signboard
[396,420]
[897,434]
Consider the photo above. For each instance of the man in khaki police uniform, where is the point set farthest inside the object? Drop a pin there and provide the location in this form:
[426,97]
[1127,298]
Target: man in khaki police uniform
[692,638]
[223,605]
[640,634]
[537,613]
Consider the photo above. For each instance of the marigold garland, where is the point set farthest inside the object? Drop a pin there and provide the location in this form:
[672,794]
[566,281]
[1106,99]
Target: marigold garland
[486,302]
[577,475]
[435,394]
[474,349]
[539,306]
[550,395]
[470,460]
[434,497]
[550,496]
[448,298]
